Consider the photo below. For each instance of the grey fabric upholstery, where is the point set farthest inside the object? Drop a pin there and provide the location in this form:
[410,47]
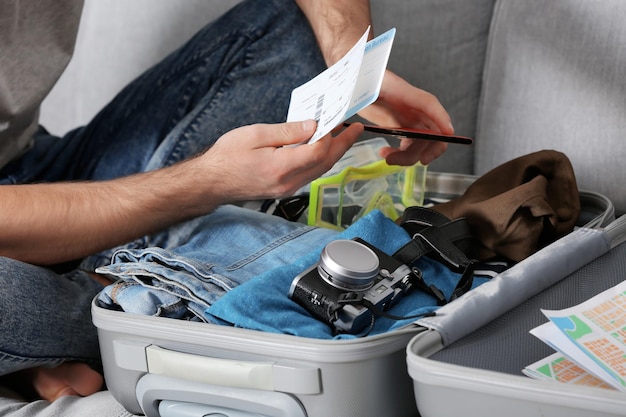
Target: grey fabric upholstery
[555,77]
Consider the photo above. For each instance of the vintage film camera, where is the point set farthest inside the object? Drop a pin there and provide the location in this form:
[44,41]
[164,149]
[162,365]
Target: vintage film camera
[351,283]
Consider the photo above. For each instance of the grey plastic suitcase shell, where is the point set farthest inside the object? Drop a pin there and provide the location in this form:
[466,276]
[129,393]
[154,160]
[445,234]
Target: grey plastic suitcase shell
[476,369]
[165,367]
[255,372]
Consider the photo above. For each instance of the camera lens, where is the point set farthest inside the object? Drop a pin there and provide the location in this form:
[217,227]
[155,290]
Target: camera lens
[348,265]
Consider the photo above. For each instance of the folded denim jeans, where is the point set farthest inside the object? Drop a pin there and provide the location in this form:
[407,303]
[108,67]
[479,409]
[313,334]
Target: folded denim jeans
[210,256]
[248,285]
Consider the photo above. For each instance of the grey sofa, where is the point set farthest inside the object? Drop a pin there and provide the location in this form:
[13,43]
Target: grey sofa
[518,76]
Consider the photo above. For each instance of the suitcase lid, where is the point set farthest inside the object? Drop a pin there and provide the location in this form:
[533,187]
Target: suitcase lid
[517,284]
[481,370]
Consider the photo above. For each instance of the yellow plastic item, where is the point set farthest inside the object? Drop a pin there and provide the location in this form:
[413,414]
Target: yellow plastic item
[339,200]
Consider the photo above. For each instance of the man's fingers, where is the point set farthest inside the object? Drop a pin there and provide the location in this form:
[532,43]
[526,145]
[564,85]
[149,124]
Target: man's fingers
[288,133]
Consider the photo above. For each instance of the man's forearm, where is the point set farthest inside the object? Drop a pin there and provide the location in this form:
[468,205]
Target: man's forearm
[53,223]
[337,24]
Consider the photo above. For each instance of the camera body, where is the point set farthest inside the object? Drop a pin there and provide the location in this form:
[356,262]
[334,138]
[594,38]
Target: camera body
[351,279]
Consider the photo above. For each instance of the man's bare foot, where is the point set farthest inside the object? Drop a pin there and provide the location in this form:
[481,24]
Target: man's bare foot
[69,378]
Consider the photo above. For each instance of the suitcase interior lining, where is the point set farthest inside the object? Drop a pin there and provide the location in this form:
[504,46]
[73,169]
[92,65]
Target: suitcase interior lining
[504,345]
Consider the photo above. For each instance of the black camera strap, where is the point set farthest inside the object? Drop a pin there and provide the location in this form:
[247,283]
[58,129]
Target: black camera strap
[377,312]
[449,241]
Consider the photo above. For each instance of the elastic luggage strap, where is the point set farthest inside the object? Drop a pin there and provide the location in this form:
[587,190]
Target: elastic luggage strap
[433,234]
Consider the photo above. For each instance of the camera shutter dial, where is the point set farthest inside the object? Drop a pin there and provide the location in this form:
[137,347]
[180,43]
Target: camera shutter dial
[349,265]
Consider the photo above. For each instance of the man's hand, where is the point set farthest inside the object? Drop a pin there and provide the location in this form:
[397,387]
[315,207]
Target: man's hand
[337,25]
[400,104]
[258,161]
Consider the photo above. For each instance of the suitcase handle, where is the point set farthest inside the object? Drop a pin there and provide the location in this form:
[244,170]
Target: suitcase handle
[161,396]
[267,376]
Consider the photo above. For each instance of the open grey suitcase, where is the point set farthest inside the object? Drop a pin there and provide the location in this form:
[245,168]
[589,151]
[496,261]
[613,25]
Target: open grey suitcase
[165,367]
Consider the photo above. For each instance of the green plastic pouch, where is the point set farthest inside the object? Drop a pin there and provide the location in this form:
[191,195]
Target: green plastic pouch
[338,200]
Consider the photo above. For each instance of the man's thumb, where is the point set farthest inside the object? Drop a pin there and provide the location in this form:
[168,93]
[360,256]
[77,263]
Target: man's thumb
[299,132]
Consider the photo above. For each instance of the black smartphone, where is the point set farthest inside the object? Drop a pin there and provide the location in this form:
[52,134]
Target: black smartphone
[417,134]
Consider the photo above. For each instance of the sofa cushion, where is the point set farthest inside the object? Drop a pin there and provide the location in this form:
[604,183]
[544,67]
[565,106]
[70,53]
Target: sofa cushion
[554,78]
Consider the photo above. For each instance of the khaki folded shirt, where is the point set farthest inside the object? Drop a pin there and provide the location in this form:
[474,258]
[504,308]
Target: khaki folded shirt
[520,206]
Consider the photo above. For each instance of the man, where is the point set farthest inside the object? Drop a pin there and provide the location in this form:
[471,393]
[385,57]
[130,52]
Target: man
[203,128]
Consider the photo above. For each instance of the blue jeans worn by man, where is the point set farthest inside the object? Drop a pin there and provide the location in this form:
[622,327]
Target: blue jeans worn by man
[239,70]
